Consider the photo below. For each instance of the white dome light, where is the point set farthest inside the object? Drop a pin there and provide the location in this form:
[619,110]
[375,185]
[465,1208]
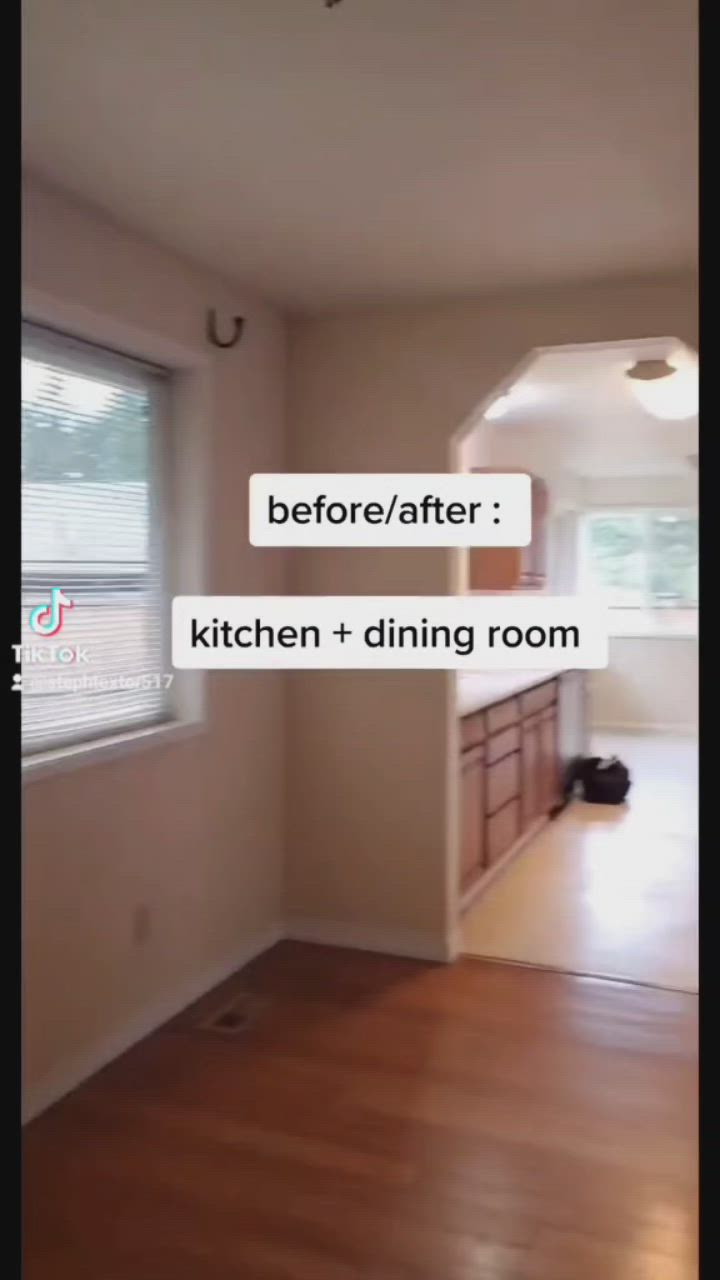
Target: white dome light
[519,396]
[498,408]
[665,391]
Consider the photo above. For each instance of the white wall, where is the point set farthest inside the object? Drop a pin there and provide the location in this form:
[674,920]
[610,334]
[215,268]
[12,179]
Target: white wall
[640,491]
[372,760]
[650,683]
[194,832]
[189,834]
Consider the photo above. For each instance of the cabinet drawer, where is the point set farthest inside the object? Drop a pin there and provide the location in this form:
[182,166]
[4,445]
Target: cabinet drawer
[472,730]
[502,715]
[503,782]
[503,829]
[501,744]
[540,698]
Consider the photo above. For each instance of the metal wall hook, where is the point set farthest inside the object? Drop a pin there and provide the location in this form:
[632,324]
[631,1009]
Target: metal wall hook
[213,336]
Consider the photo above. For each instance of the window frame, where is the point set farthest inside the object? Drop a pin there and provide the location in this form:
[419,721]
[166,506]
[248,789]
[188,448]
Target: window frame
[181,396]
[647,613]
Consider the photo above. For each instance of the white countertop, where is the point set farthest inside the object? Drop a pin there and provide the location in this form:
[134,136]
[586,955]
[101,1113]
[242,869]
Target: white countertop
[478,689]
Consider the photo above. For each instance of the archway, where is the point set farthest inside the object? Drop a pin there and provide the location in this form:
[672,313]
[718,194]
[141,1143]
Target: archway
[645,457]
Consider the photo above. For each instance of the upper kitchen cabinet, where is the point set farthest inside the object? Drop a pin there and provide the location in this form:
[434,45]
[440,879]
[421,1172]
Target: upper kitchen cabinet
[534,557]
[514,568]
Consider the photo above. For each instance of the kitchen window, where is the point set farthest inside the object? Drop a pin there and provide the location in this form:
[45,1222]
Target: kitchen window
[94,656]
[644,564]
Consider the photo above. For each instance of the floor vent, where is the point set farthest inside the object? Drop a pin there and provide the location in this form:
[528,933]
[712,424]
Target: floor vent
[234,1018]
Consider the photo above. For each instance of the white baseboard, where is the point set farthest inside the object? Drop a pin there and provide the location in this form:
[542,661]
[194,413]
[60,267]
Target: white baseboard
[67,1075]
[639,726]
[390,942]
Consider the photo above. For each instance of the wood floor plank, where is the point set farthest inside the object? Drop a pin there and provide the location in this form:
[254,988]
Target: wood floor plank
[386,1120]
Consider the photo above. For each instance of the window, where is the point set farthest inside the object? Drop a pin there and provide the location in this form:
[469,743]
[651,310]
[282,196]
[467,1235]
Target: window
[645,564]
[94,660]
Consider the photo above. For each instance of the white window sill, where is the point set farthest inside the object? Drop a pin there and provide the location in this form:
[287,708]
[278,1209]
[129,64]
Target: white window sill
[652,635]
[652,624]
[81,754]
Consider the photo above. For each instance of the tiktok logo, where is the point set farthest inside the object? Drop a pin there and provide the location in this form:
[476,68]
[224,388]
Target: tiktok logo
[47,619]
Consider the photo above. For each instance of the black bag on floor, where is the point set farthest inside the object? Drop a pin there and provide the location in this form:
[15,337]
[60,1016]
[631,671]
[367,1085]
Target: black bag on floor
[603,781]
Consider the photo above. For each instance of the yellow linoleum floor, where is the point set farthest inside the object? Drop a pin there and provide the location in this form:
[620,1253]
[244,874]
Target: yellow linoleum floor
[606,891]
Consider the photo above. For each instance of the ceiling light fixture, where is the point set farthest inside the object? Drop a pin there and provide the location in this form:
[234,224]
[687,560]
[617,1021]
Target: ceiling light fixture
[518,396]
[498,408]
[664,390]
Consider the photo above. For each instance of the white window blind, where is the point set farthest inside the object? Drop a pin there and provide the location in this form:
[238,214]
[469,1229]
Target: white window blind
[92,466]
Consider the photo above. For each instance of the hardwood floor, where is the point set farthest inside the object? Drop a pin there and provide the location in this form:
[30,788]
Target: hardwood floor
[381,1119]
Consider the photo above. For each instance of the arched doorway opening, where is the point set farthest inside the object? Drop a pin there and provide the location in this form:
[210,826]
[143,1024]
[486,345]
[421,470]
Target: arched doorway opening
[619,517]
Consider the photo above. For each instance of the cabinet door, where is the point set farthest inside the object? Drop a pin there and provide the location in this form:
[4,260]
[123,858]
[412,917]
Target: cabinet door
[495,568]
[508,568]
[503,830]
[472,815]
[549,760]
[534,561]
[503,781]
[531,801]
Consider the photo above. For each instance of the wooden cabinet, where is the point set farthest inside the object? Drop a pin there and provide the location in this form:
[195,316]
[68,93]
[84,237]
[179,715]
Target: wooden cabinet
[495,568]
[472,730]
[541,765]
[549,781]
[511,769]
[502,715]
[503,782]
[531,755]
[503,743]
[503,831]
[472,811]
[514,568]
[540,698]
[533,570]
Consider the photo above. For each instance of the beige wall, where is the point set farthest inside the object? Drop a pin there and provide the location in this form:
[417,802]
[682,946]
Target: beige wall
[371,802]
[634,691]
[191,833]
[651,683]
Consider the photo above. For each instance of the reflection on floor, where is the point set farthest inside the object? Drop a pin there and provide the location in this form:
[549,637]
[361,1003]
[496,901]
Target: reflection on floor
[605,891]
[381,1119]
